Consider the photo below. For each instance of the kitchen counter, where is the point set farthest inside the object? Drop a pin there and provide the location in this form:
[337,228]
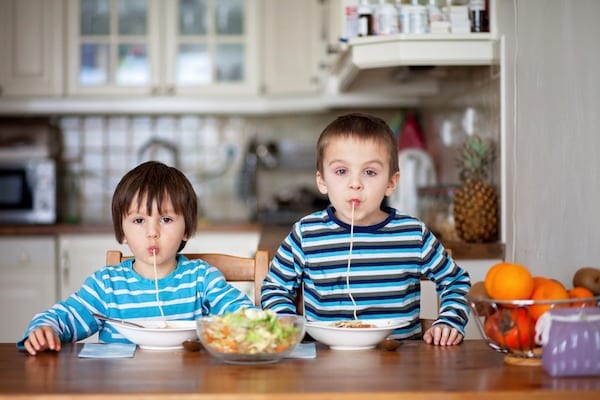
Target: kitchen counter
[415,371]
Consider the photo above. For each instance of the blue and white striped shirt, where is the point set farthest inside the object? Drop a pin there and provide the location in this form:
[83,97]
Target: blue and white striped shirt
[388,260]
[192,290]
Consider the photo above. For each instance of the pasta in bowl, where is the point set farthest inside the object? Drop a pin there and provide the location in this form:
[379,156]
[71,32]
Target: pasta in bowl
[353,334]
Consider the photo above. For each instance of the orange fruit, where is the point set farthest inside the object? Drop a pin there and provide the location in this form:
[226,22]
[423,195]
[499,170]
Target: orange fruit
[549,290]
[507,281]
[538,280]
[580,292]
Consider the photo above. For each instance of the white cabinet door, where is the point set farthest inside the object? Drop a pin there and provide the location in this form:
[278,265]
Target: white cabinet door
[293,43]
[241,244]
[27,282]
[31,47]
[81,255]
[113,47]
[162,47]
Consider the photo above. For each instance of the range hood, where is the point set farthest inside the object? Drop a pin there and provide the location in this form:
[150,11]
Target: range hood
[379,55]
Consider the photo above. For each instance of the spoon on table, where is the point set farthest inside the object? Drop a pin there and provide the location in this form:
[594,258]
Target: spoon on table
[389,344]
[192,345]
[119,321]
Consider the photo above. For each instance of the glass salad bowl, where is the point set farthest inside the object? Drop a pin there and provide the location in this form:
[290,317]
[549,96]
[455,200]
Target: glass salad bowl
[250,336]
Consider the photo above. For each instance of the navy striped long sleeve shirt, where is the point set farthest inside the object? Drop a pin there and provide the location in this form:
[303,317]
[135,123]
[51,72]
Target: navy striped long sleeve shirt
[192,290]
[387,263]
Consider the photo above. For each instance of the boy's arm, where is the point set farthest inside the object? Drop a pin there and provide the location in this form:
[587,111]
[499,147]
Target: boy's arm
[70,319]
[279,288]
[452,285]
[219,296]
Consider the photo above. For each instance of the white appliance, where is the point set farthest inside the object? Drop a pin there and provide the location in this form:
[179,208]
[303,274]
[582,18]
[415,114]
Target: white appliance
[416,170]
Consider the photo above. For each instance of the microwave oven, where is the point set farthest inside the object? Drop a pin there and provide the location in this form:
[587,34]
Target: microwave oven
[28,194]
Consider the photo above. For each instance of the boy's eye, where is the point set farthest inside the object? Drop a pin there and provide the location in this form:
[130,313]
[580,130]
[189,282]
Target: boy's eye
[166,220]
[138,220]
[370,172]
[340,171]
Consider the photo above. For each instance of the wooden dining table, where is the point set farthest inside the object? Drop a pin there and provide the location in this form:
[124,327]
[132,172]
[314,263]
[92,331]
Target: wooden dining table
[415,371]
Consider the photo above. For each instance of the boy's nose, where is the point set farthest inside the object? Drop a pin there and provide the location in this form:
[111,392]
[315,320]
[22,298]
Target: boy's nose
[153,231]
[355,183]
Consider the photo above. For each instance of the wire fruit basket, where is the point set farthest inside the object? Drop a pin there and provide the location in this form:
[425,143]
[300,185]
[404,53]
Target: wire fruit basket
[510,327]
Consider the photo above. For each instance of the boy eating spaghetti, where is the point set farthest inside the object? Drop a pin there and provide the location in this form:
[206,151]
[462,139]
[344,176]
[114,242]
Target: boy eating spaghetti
[154,211]
[358,259]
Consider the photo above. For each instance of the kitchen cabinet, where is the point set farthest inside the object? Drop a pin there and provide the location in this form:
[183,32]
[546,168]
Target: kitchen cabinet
[81,255]
[293,44]
[161,48]
[31,47]
[27,282]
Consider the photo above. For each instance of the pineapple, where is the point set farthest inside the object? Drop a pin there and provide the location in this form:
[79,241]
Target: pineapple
[476,202]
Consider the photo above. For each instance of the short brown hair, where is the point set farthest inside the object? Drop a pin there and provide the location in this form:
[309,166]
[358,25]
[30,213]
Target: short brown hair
[363,127]
[157,182]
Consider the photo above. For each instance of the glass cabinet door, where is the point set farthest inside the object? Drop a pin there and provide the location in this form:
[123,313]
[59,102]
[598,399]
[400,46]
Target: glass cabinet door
[162,47]
[113,48]
[212,46]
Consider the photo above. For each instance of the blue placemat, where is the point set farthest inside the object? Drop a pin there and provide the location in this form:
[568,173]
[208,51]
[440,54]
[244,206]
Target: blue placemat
[107,350]
[304,350]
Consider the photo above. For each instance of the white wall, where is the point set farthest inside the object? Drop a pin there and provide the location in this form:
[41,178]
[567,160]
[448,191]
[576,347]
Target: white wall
[552,133]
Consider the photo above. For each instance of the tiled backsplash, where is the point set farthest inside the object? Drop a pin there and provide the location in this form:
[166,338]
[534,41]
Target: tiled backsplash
[99,150]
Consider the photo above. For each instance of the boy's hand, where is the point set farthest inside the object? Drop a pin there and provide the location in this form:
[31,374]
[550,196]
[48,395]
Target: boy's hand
[40,339]
[442,335]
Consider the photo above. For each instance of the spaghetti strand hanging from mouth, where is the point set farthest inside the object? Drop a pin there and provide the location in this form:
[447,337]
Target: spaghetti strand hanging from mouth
[349,262]
[162,314]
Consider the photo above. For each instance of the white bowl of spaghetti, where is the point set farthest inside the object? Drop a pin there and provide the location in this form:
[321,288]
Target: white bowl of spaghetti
[158,334]
[352,334]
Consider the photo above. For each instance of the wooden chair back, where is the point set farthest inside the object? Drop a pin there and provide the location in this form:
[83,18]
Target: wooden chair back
[235,269]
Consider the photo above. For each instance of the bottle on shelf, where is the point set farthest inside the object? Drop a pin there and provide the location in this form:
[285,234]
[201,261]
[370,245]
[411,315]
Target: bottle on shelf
[365,19]
[478,15]
[386,19]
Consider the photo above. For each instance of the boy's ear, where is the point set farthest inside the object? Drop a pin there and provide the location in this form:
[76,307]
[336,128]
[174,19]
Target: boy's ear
[321,183]
[392,183]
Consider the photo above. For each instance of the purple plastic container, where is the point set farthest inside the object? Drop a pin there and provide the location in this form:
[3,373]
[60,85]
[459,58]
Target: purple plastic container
[571,341]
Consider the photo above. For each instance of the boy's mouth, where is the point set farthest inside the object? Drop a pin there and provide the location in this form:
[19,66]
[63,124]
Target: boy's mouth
[153,250]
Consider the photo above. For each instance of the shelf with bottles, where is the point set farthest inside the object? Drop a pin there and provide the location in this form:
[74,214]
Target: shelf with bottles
[463,48]
[368,21]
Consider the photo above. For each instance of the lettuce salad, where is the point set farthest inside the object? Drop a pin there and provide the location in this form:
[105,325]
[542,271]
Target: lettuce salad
[250,331]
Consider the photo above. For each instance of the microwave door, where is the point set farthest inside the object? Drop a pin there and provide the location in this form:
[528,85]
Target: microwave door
[16,193]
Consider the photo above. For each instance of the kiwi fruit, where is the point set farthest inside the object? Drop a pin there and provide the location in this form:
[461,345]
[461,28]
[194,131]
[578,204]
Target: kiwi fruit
[588,277]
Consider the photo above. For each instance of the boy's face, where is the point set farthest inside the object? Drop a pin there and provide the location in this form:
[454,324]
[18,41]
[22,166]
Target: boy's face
[159,233]
[356,172]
